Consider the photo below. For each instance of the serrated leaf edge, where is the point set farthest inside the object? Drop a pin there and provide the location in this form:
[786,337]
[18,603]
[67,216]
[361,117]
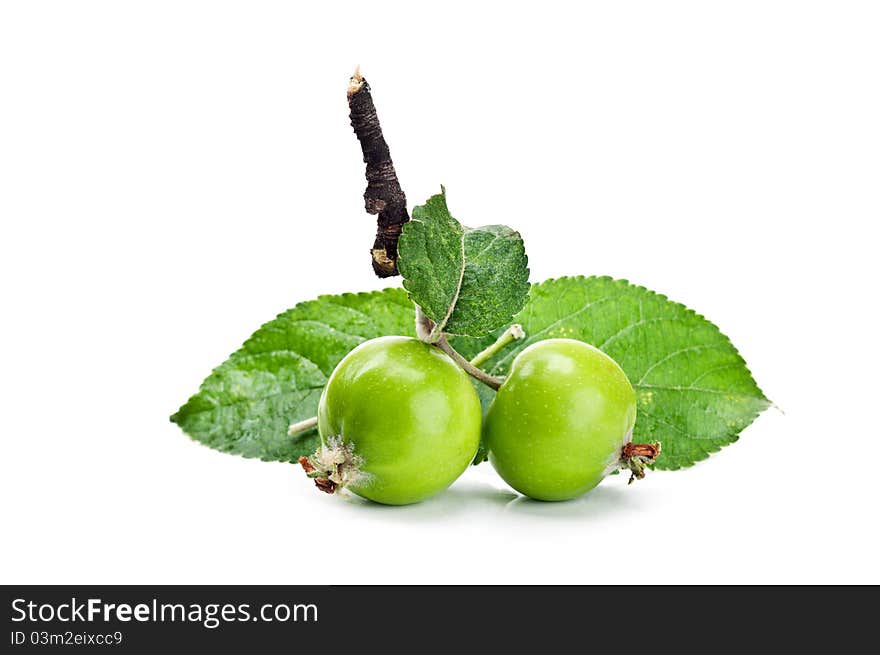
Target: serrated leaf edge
[327,297]
[703,446]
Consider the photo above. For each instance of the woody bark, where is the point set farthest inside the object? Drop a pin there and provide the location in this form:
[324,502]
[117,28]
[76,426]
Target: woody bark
[383,196]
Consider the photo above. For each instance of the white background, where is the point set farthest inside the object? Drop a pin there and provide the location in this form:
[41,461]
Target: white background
[173,174]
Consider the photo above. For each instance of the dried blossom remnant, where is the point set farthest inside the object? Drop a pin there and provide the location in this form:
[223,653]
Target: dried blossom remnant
[637,457]
[333,466]
[324,484]
[383,195]
[648,450]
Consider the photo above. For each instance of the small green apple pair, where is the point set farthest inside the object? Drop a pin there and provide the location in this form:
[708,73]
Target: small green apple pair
[399,421]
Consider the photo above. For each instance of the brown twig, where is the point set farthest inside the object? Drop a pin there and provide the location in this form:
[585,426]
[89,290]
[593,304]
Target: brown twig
[383,195]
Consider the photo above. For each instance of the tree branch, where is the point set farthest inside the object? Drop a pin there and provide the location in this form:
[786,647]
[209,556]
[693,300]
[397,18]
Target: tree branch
[383,195]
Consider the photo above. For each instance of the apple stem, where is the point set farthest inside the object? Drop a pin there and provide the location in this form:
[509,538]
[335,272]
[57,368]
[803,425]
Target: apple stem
[636,457]
[427,331]
[470,369]
[514,333]
[299,427]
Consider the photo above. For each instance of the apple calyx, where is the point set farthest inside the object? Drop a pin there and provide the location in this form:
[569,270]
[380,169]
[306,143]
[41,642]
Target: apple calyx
[636,457]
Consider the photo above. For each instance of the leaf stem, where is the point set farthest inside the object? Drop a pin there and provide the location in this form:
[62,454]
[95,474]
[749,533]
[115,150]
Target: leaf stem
[302,426]
[511,334]
[425,327]
[470,369]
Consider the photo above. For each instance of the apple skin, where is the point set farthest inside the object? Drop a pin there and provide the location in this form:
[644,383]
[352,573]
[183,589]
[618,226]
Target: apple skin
[559,421]
[410,415]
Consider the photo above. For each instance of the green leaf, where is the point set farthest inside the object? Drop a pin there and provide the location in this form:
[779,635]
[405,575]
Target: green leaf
[695,393]
[247,403]
[468,281]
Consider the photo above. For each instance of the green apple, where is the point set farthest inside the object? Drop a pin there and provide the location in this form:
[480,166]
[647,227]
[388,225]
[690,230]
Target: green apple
[399,422]
[560,420]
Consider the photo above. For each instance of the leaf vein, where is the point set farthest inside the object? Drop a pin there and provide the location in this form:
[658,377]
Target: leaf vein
[675,354]
[631,326]
[534,337]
